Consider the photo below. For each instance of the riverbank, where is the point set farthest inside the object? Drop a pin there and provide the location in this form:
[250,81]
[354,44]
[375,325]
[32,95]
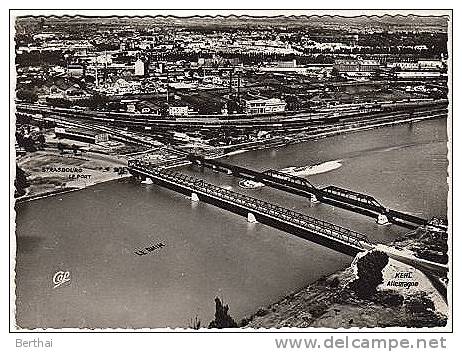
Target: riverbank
[331,303]
[429,242]
[324,132]
[96,168]
[50,173]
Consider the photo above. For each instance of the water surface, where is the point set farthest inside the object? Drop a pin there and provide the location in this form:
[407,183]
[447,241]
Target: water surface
[209,252]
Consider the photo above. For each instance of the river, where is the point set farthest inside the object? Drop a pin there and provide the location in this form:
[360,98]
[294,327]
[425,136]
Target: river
[208,252]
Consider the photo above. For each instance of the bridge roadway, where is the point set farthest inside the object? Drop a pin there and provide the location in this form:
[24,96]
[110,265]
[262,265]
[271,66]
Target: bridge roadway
[256,210]
[344,198]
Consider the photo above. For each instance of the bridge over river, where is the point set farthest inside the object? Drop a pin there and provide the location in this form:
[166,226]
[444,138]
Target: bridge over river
[256,210]
[336,196]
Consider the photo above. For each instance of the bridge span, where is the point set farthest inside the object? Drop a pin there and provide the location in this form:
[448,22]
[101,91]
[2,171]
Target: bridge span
[340,197]
[256,210]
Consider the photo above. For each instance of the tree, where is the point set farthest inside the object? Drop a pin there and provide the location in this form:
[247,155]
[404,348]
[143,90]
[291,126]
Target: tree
[195,324]
[29,144]
[97,101]
[26,95]
[39,140]
[370,275]
[20,182]
[419,303]
[61,147]
[335,72]
[222,318]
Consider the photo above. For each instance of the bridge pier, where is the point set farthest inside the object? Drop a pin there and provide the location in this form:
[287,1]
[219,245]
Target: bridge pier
[147,181]
[251,218]
[382,219]
[313,198]
[194,197]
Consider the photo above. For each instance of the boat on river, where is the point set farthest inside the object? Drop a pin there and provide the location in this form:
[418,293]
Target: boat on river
[249,184]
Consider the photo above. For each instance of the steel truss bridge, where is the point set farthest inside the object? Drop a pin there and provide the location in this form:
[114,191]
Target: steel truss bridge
[302,225]
[340,197]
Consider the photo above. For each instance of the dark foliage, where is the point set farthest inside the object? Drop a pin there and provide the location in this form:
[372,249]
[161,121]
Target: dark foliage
[334,282]
[26,95]
[370,276]
[195,324]
[419,304]
[20,182]
[318,309]
[222,318]
[421,310]
[389,299]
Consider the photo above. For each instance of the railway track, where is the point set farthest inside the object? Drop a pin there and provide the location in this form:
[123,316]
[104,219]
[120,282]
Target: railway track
[281,124]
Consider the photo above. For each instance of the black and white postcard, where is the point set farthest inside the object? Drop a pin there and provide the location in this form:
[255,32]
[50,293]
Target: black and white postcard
[231,171]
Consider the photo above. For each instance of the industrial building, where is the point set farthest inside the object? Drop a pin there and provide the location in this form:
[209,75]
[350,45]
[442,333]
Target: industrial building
[264,106]
[356,67]
[81,135]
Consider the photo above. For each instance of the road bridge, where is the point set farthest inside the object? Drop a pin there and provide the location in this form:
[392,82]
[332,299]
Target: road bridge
[256,210]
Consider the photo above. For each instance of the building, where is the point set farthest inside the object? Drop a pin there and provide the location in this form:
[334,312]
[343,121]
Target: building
[130,104]
[75,70]
[421,64]
[418,74]
[146,107]
[404,66]
[178,110]
[356,67]
[430,64]
[264,106]
[286,64]
[101,59]
[77,134]
[215,80]
[61,89]
[139,67]
[121,87]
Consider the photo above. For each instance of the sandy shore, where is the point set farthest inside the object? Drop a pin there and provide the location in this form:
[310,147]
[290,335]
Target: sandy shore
[49,172]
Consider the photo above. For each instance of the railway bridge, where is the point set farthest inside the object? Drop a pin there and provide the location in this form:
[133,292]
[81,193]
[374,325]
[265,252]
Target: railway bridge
[336,196]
